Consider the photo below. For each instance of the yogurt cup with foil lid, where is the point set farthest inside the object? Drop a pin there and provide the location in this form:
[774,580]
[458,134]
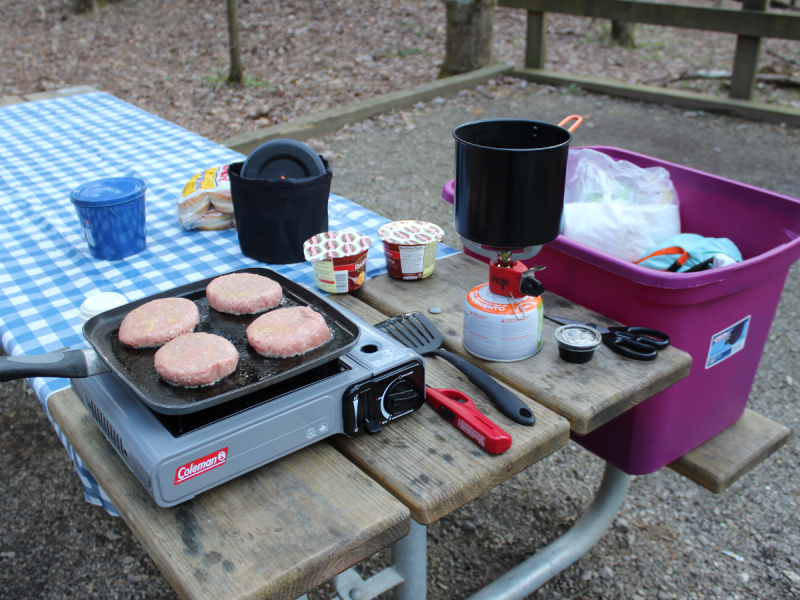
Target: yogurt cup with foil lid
[339,259]
[410,248]
[410,233]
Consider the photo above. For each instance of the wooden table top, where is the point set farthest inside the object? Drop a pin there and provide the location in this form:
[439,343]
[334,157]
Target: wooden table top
[276,532]
[283,529]
[586,395]
[430,465]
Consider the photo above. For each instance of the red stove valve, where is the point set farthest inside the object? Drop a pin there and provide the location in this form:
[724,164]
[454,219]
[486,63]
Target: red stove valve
[514,279]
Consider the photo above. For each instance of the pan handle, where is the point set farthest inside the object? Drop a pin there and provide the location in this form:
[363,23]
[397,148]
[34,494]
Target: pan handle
[578,120]
[504,399]
[73,363]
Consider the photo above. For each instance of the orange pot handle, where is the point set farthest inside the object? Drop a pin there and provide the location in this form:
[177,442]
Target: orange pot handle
[578,120]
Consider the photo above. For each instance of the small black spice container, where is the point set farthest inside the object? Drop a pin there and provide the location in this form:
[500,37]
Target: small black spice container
[577,343]
[275,216]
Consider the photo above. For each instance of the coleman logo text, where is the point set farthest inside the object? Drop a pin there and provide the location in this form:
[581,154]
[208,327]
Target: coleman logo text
[201,465]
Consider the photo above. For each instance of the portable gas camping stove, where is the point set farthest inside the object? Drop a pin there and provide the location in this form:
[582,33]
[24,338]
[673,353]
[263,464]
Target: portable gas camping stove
[508,200]
[503,317]
[179,456]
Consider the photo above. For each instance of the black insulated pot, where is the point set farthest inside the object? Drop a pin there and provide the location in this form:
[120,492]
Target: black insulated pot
[509,183]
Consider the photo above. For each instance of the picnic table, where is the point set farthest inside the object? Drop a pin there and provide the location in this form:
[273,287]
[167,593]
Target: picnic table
[307,518]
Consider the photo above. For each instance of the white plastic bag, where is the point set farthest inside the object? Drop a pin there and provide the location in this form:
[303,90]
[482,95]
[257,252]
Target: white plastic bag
[616,206]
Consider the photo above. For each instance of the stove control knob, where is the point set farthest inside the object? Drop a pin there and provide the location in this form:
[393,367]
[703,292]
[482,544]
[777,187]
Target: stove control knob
[529,285]
[400,396]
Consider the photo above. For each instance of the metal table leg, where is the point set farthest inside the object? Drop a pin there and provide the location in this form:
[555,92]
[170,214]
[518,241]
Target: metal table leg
[408,577]
[554,558]
[410,557]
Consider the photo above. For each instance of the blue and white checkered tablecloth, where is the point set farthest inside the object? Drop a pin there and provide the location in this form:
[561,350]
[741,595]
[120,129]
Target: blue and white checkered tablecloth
[48,148]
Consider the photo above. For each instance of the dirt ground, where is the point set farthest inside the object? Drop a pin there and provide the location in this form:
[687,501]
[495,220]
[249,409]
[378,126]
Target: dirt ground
[170,57]
[672,538]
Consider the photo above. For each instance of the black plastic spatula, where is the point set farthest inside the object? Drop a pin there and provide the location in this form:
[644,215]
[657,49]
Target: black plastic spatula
[415,331]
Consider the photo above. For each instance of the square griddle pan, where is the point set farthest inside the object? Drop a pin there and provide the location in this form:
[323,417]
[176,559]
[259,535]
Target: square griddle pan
[254,372]
[135,367]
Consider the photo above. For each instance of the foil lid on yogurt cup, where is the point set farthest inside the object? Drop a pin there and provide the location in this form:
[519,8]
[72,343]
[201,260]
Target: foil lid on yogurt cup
[335,244]
[410,233]
[578,338]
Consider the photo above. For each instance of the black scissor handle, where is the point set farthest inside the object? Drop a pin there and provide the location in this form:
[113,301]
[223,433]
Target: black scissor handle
[655,338]
[625,346]
[629,348]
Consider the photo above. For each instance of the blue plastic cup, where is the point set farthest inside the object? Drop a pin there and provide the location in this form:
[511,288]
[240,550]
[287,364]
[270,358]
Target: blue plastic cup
[112,214]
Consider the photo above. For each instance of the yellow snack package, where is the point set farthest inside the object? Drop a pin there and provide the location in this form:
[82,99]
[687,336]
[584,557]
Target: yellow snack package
[206,191]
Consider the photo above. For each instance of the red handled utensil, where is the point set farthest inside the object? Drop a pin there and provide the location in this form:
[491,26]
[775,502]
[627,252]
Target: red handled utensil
[460,410]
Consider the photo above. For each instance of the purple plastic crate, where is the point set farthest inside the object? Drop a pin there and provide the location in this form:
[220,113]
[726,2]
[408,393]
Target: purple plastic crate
[721,317]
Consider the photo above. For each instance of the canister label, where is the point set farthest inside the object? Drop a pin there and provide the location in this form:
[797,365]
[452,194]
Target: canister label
[502,328]
[727,342]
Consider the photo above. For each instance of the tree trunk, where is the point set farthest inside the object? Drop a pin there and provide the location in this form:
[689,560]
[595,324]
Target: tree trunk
[622,33]
[468,46]
[84,6]
[236,72]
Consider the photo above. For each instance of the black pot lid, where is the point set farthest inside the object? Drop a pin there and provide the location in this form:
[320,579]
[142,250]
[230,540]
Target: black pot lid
[282,159]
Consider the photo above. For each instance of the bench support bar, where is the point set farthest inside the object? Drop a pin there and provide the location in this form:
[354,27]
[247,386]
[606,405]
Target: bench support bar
[551,560]
[409,555]
[350,586]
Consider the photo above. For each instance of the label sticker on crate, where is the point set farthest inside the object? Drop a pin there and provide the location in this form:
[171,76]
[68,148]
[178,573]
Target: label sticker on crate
[727,342]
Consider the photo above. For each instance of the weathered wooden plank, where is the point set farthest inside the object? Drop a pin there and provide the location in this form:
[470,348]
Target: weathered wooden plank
[275,532]
[62,93]
[586,395]
[742,22]
[536,40]
[723,459]
[745,59]
[745,67]
[330,120]
[430,465]
[756,111]
[9,100]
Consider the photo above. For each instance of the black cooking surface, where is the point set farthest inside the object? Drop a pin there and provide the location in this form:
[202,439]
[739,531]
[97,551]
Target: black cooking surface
[179,425]
[136,368]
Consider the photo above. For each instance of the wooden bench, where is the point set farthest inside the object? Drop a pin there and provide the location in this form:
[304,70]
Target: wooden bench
[275,532]
[726,457]
[290,526]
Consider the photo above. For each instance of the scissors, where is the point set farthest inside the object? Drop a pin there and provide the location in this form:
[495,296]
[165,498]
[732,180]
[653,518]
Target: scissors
[638,343]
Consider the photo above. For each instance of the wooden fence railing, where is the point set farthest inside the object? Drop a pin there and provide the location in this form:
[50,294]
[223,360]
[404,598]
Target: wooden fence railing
[751,24]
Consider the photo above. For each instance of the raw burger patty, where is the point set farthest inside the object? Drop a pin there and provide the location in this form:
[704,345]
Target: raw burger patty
[288,332]
[196,359]
[158,321]
[243,294]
